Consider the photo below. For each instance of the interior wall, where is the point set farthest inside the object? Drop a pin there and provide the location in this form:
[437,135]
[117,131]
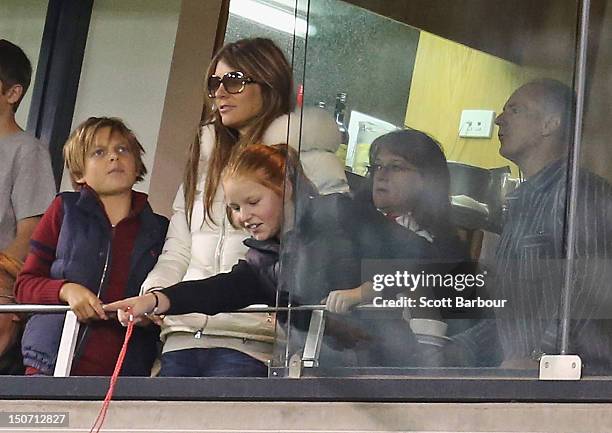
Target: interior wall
[184,98]
[22,22]
[128,416]
[501,45]
[596,150]
[448,78]
[126,67]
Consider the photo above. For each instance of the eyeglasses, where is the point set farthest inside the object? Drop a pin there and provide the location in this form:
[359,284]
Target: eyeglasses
[390,168]
[233,82]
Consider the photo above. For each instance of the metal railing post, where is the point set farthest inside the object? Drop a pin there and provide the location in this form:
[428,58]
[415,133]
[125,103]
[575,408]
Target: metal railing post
[65,353]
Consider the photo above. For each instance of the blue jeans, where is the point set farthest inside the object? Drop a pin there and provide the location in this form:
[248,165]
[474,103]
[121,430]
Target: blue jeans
[215,362]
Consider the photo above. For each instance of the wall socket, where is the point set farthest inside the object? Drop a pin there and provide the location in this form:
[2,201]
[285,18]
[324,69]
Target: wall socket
[476,123]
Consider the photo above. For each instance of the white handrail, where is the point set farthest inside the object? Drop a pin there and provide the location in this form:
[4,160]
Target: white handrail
[48,309]
[70,330]
[33,308]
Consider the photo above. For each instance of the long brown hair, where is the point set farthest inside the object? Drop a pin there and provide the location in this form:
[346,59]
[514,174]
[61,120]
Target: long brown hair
[262,60]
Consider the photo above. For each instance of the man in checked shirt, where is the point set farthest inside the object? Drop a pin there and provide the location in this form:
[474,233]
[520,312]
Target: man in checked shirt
[535,130]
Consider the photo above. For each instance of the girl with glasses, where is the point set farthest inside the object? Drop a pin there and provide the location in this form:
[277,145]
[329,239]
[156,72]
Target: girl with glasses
[409,183]
[250,89]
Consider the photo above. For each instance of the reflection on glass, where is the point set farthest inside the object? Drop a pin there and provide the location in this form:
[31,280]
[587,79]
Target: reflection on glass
[365,129]
[507,205]
[278,16]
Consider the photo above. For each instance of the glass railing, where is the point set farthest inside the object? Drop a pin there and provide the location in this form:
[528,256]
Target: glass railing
[470,236]
[473,227]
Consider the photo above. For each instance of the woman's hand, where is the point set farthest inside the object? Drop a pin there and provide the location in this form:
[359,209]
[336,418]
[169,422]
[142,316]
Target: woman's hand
[140,308]
[83,302]
[341,301]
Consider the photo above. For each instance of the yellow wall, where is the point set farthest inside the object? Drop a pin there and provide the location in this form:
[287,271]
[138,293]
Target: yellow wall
[448,78]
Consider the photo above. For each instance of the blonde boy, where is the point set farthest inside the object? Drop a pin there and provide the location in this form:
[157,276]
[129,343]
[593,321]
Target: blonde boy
[91,247]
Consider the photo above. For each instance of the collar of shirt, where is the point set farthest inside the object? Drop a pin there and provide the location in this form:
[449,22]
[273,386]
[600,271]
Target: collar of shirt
[543,179]
[410,223]
[139,200]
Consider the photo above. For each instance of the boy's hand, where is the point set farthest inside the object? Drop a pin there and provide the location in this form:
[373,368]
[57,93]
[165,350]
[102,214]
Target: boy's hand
[341,301]
[141,308]
[6,280]
[83,302]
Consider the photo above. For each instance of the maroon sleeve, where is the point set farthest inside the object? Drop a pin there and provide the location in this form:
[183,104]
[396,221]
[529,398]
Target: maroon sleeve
[33,285]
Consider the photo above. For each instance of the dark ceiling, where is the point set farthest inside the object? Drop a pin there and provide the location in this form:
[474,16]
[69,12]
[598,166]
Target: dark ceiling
[528,32]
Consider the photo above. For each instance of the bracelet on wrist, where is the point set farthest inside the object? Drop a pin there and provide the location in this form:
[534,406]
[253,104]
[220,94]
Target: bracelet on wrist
[155,309]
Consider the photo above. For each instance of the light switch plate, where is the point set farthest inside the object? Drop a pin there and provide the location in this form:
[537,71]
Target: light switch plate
[476,123]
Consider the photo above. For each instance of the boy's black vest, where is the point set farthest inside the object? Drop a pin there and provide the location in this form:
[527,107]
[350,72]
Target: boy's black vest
[83,256]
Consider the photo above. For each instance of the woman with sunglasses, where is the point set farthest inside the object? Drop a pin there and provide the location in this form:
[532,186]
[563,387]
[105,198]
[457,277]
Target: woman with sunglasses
[250,90]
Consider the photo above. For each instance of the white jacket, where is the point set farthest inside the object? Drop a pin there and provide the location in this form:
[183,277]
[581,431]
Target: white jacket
[206,249]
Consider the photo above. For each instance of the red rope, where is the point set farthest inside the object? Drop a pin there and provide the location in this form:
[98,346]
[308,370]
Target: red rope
[109,395]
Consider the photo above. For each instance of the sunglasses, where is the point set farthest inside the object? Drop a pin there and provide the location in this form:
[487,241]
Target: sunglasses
[233,82]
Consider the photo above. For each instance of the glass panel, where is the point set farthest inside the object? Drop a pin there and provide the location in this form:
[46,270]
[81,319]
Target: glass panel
[469,282]
[589,306]
[22,22]
[285,23]
[276,20]
[353,77]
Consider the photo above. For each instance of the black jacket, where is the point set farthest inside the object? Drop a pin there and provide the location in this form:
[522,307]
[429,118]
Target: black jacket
[324,252]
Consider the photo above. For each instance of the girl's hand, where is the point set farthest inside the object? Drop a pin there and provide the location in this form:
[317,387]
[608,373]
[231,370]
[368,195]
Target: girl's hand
[157,319]
[83,302]
[141,308]
[341,301]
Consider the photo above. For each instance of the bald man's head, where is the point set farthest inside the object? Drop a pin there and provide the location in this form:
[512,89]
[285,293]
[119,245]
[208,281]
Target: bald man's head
[554,98]
[536,121]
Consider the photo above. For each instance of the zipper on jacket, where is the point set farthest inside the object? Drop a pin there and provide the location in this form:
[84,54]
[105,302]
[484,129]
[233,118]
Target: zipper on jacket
[216,269]
[219,250]
[108,251]
[80,344]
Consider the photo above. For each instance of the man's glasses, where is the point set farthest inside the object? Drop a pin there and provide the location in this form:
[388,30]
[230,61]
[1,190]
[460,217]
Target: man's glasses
[233,82]
[390,168]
